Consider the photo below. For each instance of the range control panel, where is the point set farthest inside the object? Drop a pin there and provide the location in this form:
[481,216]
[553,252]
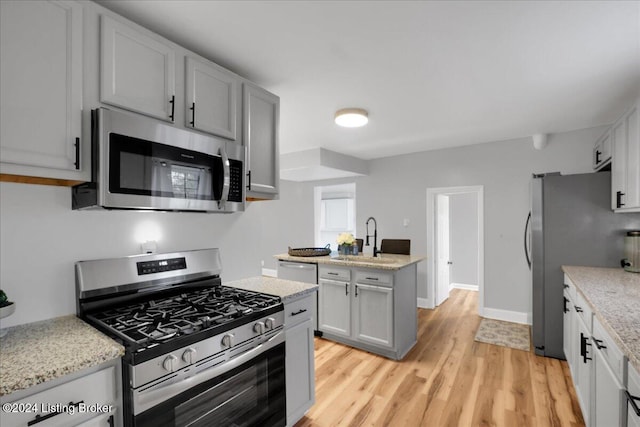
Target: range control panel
[160,265]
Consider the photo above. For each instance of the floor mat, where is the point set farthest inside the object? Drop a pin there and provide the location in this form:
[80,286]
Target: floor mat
[506,334]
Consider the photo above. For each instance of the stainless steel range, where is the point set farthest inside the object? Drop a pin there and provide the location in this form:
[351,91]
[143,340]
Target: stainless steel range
[197,353]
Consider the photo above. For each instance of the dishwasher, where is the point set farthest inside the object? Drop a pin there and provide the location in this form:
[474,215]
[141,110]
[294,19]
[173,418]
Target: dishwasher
[301,272]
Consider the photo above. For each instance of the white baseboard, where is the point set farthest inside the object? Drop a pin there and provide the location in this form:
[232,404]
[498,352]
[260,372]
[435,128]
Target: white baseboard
[269,272]
[464,286]
[506,315]
[424,303]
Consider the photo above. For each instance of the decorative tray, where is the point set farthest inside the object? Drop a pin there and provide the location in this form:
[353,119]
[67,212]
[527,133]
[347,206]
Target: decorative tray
[310,251]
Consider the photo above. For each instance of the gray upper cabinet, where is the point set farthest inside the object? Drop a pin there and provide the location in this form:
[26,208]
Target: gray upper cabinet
[137,71]
[41,83]
[211,99]
[625,165]
[261,111]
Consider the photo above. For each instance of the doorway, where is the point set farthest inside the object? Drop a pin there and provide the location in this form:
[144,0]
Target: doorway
[448,207]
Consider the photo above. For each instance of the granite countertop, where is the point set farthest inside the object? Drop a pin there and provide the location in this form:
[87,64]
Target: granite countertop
[614,296]
[381,262]
[33,353]
[287,290]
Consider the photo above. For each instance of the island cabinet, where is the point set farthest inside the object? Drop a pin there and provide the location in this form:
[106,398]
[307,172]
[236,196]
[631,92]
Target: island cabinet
[371,309]
[299,362]
[41,91]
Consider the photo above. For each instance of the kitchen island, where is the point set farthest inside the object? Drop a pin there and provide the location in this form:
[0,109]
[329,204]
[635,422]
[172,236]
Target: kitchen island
[367,302]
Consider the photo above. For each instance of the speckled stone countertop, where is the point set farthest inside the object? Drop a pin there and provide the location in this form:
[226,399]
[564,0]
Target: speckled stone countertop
[287,290]
[33,353]
[614,296]
[382,261]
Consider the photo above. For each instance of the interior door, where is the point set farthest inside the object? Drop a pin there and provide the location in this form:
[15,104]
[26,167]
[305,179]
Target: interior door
[443,263]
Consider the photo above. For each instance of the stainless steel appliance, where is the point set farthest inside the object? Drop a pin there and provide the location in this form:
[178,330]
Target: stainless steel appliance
[631,261]
[571,223]
[302,272]
[142,163]
[197,353]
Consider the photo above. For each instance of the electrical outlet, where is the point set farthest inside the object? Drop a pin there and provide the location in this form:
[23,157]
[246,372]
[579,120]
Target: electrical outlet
[405,222]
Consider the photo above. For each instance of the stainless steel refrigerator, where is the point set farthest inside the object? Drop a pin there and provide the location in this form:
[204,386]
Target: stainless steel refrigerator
[571,223]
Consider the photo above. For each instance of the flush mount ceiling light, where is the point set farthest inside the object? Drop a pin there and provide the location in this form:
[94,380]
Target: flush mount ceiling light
[352,117]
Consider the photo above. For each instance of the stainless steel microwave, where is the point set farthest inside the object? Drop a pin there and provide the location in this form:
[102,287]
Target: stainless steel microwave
[140,163]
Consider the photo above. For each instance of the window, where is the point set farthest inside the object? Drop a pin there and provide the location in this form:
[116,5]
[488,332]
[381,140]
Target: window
[335,213]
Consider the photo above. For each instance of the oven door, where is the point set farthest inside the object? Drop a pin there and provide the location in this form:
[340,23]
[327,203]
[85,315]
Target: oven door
[247,390]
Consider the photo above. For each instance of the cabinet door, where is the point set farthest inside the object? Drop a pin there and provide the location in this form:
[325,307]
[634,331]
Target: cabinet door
[633,397]
[608,394]
[619,165]
[374,314]
[211,99]
[261,129]
[632,119]
[583,368]
[602,151]
[41,85]
[568,333]
[137,72]
[300,371]
[334,307]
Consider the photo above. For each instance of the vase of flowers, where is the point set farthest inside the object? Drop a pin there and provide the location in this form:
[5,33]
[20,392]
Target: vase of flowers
[346,241]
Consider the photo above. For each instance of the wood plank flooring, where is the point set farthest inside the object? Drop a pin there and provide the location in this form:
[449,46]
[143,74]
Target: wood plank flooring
[447,379]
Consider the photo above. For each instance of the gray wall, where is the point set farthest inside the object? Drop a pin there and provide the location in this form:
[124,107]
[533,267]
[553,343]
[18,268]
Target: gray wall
[463,238]
[41,237]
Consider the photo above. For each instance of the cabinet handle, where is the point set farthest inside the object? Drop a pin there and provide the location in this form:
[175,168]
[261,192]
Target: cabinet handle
[619,195]
[565,305]
[111,421]
[302,310]
[599,343]
[346,289]
[356,291]
[578,309]
[172,101]
[77,146]
[584,352]
[371,278]
[249,180]
[566,286]
[193,114]
[332,274]
[632,401]
[598,153]
[40,418]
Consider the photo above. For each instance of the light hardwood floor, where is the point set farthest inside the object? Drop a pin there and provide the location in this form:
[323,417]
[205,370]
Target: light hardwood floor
[447,379]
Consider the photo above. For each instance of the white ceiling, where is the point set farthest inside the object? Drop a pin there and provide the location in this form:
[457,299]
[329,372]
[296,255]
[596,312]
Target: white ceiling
[431,74]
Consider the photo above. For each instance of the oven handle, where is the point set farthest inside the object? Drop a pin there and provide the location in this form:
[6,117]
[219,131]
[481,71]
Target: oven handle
[150,397]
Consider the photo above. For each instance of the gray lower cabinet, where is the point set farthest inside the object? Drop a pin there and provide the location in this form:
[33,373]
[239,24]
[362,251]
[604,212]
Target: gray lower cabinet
[371,309]
[299,362]
[633,397]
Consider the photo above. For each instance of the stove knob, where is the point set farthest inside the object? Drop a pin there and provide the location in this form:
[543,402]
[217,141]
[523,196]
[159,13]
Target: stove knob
[270,323]
[169,362]
[189,355]
[258,327]
[227,340]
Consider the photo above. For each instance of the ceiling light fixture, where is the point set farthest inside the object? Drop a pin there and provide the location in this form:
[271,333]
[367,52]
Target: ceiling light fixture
[352,117]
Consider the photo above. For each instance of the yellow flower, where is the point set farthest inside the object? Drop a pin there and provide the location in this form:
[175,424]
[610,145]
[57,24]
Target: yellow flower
[346,239]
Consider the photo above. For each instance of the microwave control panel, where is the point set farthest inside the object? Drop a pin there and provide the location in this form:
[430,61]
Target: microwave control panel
[235,181]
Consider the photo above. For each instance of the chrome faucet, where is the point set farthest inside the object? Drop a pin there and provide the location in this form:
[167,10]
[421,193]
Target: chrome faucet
[375,235]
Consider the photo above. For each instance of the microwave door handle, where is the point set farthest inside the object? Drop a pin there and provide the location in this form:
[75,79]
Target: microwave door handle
[226,180]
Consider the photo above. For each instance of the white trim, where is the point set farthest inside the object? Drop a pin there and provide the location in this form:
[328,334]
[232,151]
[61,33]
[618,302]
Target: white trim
[506,315]
[464,286]
[269,272]
[424,303]
[431,266]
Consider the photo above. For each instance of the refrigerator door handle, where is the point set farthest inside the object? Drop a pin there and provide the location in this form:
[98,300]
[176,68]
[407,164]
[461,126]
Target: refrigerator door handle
[527,240]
